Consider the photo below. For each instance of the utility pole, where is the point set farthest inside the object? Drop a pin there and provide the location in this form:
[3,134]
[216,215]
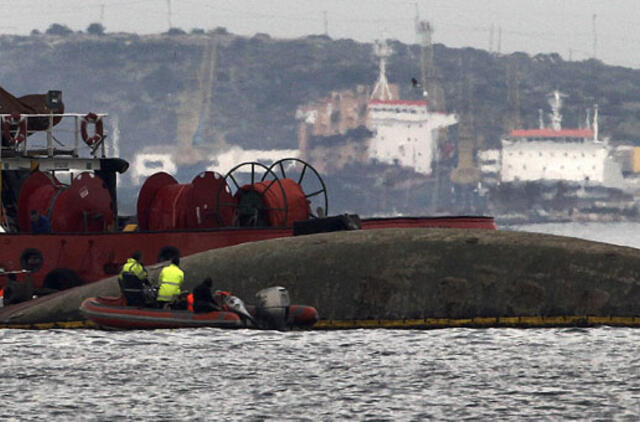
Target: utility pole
[512,120]
[326,23]
[416,23]
[102,14]
[491,38]
[595,36]
[499,48]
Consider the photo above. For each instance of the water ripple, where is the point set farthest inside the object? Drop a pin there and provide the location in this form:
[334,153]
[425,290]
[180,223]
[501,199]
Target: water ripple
[209,374]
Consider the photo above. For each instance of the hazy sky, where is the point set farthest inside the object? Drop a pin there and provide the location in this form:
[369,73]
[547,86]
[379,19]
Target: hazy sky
[533,26]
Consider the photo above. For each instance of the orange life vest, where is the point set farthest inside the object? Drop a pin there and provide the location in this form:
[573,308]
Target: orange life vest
[190,302]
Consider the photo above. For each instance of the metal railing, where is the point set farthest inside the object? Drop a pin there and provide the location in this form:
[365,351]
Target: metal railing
[97,150]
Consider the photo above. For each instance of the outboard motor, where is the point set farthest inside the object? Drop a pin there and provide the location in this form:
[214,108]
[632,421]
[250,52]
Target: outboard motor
[272,307]
[237,305]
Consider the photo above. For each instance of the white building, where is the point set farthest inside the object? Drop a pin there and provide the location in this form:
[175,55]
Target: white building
[227,160]
[405,132]
[150,161]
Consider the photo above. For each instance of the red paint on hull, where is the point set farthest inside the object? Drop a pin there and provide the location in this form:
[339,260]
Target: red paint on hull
[94,256]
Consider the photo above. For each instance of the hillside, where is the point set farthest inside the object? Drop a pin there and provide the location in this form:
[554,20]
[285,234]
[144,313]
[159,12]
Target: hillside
[259,82]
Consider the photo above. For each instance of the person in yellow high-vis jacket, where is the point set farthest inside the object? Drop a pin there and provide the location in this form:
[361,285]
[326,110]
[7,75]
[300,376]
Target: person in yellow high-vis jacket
[134,266]
[132,280]
[171,279]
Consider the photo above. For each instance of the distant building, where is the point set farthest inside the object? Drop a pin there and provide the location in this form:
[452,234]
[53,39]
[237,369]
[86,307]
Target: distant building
[225,161]
[330,118]
[145,163]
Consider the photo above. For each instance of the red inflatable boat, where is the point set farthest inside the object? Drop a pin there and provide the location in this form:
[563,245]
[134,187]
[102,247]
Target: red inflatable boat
[111,313]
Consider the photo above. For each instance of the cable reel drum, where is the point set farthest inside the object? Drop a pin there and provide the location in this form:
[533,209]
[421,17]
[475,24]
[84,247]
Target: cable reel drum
[275,195]
[306,190]
[165,204]
[260,198]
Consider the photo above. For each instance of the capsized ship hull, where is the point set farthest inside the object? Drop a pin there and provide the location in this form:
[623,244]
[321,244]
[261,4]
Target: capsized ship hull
[95,256]
[408,278]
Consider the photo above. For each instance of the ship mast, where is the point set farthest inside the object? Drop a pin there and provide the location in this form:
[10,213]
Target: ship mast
[381,90]
[555,101]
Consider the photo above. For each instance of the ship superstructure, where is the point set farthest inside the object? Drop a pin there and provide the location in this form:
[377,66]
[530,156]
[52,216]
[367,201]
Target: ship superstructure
[552,153]
[405,131]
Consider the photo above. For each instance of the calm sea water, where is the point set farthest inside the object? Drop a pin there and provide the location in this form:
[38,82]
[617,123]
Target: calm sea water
[211,374]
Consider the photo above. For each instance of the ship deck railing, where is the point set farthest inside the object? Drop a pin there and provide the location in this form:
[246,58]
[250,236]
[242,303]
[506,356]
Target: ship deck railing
[53,145]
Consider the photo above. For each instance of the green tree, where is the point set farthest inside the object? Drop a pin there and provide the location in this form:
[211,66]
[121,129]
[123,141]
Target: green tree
[57,29]
[96,29]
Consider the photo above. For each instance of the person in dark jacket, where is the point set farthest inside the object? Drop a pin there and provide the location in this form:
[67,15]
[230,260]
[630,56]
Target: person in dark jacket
[39,223]
[202,297]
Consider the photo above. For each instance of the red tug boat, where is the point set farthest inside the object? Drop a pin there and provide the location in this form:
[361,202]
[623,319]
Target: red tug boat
[88,240]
